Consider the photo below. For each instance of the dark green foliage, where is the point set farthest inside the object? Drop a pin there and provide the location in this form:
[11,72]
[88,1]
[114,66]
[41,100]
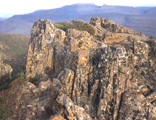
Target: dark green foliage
[8,97]
[75,24]
[4,112]
[87,27]
[19,77]
[5,86]
[7,102]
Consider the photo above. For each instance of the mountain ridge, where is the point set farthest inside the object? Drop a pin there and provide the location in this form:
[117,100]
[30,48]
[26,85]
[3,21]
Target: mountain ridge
[21,24]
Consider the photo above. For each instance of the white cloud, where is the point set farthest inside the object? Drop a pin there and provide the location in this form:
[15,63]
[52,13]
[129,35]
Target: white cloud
[1,15]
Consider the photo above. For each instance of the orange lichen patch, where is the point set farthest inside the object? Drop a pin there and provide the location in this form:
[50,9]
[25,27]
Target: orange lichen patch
[138,95]
[86,77]
[74,45]
[43,45]
[35,53]
[30,48]
[119,78]
[57,118]
[81,41]
[118,99]
[102,107]
[129,84]
[144,100]
[60,35]
[114,38]
[79,92]
[83,57]
[71,116]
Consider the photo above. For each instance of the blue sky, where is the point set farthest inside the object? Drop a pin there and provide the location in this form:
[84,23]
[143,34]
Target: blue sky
[11,7]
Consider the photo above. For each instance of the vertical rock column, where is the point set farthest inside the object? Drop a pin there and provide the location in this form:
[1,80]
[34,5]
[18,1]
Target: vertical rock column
[43,49]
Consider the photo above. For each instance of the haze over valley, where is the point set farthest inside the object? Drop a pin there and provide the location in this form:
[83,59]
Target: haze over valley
[141,19]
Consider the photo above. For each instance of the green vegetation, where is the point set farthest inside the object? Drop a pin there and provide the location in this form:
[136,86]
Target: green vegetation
[18,81]
[87,27]
[75,24]
[15,80]
[62,27]
[5,86]
[4,111]
[9,95]
[18,76]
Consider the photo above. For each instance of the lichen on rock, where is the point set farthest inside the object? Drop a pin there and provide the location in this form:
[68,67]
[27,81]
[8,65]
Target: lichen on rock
[108,76]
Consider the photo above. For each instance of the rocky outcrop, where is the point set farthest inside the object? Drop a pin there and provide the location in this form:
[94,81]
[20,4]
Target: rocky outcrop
[41,54]
[111,32]
[50,50]
[113,27]
[5,72]
[74,111]
[88,79]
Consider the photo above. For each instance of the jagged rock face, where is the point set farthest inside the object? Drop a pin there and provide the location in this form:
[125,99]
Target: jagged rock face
[41,53]
[74,111]
[5,72]
[93,80]
[112,32]
[50,50]
[111,26]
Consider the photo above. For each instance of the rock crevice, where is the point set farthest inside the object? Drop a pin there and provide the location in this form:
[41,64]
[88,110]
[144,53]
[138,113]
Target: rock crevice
[102,77]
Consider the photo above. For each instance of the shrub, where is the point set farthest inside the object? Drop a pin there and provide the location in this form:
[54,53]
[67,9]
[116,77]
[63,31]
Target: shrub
[7,85]
[19,81]
[75,24]
[7,102]
[8,97]
[18,76]
[62,27]
[4,111]
[87,27]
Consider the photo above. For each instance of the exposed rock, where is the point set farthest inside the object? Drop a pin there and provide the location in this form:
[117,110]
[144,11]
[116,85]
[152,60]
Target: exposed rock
[5,72]
[111,26]
[41,54]
[74,111]
[66,78]
[44,85]
[34,102]
[111,32]
[135,105]
[88,78]
[141,50]
[56,117]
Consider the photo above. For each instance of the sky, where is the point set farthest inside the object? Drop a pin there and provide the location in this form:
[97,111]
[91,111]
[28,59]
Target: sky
[12,7]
